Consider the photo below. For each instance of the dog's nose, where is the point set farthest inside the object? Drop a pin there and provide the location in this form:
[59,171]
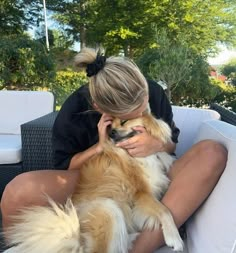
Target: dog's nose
[112,133]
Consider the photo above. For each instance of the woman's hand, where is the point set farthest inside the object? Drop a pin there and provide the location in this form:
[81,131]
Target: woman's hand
[142,144]
[104,122]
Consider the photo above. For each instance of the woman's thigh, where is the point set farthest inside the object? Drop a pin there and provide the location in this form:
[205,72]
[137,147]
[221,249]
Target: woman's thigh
[32,187]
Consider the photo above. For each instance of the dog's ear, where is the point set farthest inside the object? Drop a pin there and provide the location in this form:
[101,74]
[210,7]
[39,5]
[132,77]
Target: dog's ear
[157,128]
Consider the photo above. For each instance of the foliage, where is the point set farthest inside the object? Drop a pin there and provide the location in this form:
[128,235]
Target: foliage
[172,63]
[198,85]
[178,66]
[64,58]
[18,15]
[229,70]
[56,38]
[24,63]
[185,73]
[65,83]
[216,92]
[130,26]
[227,95]
[201,23]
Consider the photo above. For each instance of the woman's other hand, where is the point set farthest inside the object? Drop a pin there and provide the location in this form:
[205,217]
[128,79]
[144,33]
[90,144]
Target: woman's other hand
[142,144]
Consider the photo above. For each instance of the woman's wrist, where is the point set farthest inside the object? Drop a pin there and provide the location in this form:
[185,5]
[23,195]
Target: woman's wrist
[169,147]
[80,158]
[98,149]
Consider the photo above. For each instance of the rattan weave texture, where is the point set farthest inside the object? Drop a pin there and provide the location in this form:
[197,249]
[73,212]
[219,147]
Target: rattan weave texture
[37,149]
[226,115]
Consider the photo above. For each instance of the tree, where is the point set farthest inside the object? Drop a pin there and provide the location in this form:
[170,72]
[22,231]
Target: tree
[73,16]
[229,67]
[130,26]
[200,23]
[185,73]
[24,63]
[229,70]
[128,29]
[18,15]
[169,62]
[198,89]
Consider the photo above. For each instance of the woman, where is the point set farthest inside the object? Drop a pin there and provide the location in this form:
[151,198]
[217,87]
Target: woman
[116,88]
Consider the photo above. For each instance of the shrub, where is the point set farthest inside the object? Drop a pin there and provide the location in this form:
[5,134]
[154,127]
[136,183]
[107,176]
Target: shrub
[65,83]
[215,92]
[227,95]
[24,63]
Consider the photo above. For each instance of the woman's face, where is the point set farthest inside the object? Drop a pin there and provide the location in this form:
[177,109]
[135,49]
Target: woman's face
[131,115]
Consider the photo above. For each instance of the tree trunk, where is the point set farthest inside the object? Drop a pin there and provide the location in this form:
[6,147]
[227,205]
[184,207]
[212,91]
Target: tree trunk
[82,37]
[82,27]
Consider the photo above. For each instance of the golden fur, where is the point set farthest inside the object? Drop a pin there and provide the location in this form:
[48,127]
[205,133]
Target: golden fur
[116,197]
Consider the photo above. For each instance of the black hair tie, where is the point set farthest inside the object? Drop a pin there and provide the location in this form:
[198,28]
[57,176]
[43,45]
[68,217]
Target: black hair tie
[94,67]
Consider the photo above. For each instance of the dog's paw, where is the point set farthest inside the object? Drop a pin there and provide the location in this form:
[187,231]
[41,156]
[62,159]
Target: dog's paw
[131,239]
[175,243]
[172,237]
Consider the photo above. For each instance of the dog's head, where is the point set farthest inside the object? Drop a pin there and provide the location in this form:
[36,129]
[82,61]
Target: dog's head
[124,129]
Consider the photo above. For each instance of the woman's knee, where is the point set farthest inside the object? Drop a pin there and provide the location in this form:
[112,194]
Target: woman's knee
[18,192]
[213,154]
[32,187]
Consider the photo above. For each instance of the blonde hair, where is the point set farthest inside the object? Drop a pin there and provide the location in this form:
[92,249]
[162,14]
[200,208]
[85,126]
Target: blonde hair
[119,87]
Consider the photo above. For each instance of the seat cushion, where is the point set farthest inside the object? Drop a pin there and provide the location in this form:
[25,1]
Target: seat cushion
[10,148]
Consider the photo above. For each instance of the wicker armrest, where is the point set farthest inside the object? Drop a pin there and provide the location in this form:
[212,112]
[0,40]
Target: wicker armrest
[36,135]
[226,115]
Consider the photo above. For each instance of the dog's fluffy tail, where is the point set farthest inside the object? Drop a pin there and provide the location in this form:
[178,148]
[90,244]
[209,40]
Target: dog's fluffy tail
[46,229]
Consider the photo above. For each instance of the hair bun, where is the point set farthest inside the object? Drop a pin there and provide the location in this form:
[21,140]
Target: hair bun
[94,67]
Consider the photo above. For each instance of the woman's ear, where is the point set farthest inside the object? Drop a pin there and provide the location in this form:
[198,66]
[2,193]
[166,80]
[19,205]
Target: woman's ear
[95,106]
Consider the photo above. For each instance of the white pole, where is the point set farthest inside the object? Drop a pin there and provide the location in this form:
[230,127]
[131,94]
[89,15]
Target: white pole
[45,22]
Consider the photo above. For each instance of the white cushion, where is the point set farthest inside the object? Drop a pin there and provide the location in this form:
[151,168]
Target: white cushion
[10,148]
[188,120]
[18,107]
[213,228]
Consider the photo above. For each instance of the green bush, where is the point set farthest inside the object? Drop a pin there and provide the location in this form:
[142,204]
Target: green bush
[227,95]
[215,92]
[65,83]
[24,63]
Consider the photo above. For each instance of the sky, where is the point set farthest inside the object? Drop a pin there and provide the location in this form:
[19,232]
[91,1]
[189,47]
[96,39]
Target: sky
[224,56]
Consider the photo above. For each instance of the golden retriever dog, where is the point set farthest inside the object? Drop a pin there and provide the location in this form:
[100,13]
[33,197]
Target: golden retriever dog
[117,197]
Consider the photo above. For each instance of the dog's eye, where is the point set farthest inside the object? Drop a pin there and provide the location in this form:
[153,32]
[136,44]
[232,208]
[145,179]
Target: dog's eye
[122,122]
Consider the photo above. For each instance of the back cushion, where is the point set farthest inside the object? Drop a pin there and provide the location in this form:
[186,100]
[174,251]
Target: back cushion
[18,107]
[188,120]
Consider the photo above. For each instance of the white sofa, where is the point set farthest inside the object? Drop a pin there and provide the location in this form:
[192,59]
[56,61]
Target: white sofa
[16,108]
[212,229]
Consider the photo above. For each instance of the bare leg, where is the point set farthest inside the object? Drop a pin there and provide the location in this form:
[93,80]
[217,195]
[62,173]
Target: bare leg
[193,178]
[28,188]
[150,213]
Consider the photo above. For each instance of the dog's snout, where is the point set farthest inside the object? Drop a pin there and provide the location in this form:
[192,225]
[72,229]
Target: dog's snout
[112,133]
